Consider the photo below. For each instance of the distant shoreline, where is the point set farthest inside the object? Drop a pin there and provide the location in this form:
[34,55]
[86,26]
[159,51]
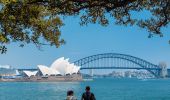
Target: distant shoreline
[69,78]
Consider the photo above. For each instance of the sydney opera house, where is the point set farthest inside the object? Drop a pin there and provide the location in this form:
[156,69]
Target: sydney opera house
[60,70]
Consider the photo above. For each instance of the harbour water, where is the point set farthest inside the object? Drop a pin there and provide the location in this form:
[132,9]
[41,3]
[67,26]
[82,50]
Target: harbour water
[103,88]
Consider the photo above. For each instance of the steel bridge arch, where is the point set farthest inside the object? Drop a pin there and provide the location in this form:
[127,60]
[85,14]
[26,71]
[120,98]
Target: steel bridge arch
[152,68]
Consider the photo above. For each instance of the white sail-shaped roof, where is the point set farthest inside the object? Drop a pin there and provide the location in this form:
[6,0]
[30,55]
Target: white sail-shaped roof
[69,69]
[76,69]
[59,66]
[30,73]
[56,62]
[17,72]
[72,66]
[47,71]
[67,59]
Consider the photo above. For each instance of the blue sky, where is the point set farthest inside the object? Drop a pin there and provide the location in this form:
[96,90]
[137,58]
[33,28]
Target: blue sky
[82,41]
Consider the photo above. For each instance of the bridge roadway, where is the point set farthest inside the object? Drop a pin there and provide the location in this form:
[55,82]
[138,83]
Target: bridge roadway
[105,68]
[120,68]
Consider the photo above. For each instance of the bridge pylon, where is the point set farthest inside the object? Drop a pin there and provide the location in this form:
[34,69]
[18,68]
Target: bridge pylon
[91,72]
[163,72]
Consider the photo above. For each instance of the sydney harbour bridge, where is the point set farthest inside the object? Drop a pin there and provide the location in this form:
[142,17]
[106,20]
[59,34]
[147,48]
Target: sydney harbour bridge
[121,61]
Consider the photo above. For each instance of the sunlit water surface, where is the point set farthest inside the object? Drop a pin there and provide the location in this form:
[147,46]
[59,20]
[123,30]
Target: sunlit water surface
[103,88]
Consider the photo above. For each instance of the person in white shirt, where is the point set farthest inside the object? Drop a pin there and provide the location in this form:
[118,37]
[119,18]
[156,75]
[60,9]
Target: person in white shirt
[70,95]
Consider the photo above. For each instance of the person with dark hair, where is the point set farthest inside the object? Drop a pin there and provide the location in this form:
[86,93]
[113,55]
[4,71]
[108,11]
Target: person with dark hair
[88,95]
[70,95]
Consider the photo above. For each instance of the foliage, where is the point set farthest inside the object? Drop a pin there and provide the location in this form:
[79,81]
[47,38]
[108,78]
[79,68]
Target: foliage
[28,23]
[36,21]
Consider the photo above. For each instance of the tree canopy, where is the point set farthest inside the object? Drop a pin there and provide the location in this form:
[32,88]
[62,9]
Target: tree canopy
[39,22]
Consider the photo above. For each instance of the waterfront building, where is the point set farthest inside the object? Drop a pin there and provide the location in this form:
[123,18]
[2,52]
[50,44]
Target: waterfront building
[7,70]
[59,67]
[29,73]
[131,74]
[60,70]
